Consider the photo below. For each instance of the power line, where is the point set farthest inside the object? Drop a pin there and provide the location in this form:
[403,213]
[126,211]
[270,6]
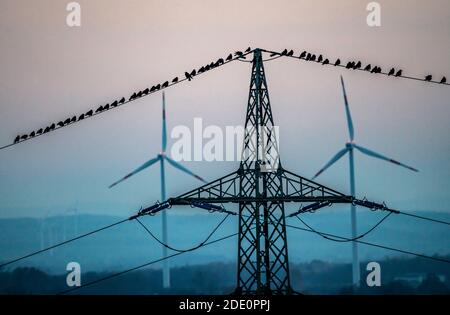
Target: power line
[351,65]
[423,218]
[345,240]
[184,250]
[374,245]
[141,266]
[62,243]
[119,103]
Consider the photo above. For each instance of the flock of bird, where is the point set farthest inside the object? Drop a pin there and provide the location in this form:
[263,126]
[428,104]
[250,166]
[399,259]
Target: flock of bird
[189,75]
[355,65]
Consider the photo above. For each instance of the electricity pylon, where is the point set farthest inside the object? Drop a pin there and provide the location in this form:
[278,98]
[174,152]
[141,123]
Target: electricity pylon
[261,187]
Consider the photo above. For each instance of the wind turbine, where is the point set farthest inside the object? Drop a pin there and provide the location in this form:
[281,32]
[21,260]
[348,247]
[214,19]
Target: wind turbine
[349,146]
[161,158]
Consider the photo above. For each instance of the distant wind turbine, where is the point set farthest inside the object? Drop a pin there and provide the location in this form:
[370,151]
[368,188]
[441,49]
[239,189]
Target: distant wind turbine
[349,146]
[161,157]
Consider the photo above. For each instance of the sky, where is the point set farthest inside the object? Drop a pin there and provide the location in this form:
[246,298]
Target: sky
[50,71]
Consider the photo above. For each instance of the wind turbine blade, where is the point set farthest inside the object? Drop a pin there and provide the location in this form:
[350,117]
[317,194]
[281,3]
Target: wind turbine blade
[182,168]
[382,157]
[164,128]
[332,161]
[347,112]
[140,168]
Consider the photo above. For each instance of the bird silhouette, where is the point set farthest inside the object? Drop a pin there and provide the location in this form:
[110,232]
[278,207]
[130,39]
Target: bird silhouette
[201,70]
[326,61]
[368,67]
[308,57]
[32,134]
[220,61]
[153,88]
[146,91]
[230,56]
[81,117]
[39,131]
[188,76]
[60,124]
[89,113]
[52,127]
[132,97]
[158,86]
[207,67]
[175,80]
[17,139]
[238,53]
[290,53]
[399,73]
[358,65]
[391,72]
[74,119]
[165,84]
[106,107]
[443,80]
[428,77]
[67,121]
[313,57]
[302,55]
[122,100]
[284,52]
[248,50]
[338,62]
[47,129]
[24,137]
[100,109]
[193,73]
[114,104]
[320,58]
[349,65]
[139,94]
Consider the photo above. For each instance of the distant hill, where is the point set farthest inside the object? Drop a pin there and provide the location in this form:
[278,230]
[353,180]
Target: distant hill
[128,244]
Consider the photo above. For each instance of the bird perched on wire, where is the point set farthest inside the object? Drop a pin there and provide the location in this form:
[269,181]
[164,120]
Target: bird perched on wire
[39,131]
[17,139]
[32,134]
[74,119]
[368,67]
[67,121]
[132,97]
[24,137]
[391,72]
[238,53]
[52,127]
[320,58]
[399,73]
[89,113]
[313,57]
[122,100]
[106,107]
[230,56]
[350,64]
[290,53]
[146,91]
[188,76]
[100,109]
[303,54]
[308,56]
[284,52]
[443,80]
[165,84]
[81,117]
[193,73]
[175,80]
[248,50]
[358,65]
[428,77]
[326,61]
[114,104]
[60,124]
[338,62]
[47,129]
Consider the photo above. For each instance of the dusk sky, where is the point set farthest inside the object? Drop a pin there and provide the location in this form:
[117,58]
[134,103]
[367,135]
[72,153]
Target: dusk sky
[50,71]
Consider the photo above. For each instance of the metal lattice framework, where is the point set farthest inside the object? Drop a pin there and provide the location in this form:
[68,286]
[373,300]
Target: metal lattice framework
[261,187]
